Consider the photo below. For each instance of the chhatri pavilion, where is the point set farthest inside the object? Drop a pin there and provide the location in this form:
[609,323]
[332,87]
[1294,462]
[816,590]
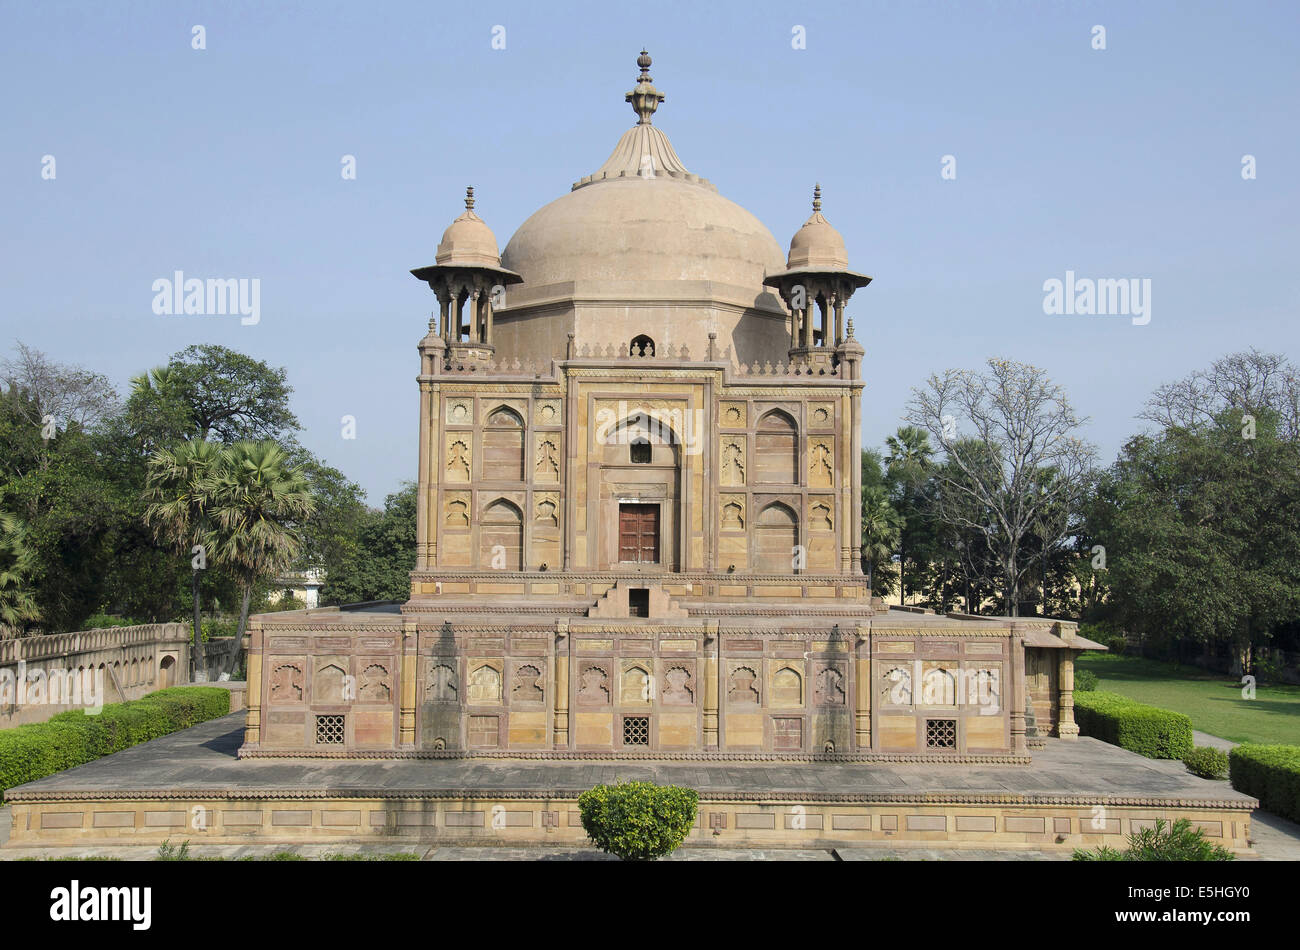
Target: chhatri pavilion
[639,514]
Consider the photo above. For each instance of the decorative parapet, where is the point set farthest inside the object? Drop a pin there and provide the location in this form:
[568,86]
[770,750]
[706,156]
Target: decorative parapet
[50,646]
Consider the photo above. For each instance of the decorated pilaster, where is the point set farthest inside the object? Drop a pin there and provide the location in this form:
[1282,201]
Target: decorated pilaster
[410,661]
[253,714]
[712,642]
[862,663]
[562,683]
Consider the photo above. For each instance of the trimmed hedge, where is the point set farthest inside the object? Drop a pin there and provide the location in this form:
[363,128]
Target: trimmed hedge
[1270,773]
[1207,762]
[1147,730]
[75,738]
[1085,681]
[638,821]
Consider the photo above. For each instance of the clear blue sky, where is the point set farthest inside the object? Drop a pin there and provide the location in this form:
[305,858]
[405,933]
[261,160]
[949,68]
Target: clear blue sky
[225,162]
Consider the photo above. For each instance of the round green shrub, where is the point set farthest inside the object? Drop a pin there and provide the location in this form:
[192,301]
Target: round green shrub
[638,821]
[1207,762]
[1085,681]
[1162,842]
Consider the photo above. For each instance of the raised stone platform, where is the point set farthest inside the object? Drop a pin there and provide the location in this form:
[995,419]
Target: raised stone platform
[190,785]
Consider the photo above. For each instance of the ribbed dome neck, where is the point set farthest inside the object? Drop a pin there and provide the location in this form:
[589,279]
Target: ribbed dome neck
[643,152]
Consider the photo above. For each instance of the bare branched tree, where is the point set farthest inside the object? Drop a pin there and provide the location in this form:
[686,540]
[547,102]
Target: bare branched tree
[1247,381]
[1013,456]
[69,394]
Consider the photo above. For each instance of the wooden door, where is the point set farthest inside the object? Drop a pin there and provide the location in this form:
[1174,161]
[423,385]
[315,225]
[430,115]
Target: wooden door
[638,534]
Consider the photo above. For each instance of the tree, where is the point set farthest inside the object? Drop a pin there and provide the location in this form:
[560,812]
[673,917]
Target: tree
[69,395]
[881,528]
[332,535]
[17,562]
[258,505]
[1247,382]
[1201,528]
[180,493]
[1021,427]
[909,465]
[380,566]
[209,391]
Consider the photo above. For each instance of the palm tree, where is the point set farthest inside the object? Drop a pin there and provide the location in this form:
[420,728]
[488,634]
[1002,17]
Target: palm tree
[178,490]
[882,528]
[909,462]
[260,500]
[17,561]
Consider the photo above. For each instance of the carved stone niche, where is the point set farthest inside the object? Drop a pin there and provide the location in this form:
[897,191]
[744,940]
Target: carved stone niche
[441,684]
[460,411]
[679,688]
[821,462]
[546,412]
[593,684]
[830,686]
[733,513]
[528,684]
[733,460]
[732,415]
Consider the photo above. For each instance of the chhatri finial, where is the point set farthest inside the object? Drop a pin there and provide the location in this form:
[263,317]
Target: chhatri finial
[817,198]
[469,198]
[645,98]
[848,331]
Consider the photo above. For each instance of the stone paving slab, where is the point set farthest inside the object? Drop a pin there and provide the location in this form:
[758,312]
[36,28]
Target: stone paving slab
[950,854]
[203,758]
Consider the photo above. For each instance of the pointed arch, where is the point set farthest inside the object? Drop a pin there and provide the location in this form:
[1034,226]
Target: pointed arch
[777,449]
[776,538]
[503,445]
[501,536]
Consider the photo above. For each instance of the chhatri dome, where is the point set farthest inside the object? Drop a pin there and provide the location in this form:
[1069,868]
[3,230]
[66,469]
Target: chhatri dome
[642,247]
[469,240]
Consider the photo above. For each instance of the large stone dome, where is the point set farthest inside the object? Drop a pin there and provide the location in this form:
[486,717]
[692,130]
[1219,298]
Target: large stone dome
[643,248]
[632,228]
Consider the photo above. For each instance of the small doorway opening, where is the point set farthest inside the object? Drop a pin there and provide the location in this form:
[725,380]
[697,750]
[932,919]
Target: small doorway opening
[638,602]
[638,534]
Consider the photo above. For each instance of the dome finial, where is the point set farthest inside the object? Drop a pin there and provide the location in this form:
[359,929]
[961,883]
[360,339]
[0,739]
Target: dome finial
[469,198]
[817,197]
[645,98]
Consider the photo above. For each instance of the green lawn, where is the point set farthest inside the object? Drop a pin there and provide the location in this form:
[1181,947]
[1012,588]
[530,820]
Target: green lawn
[1214,703]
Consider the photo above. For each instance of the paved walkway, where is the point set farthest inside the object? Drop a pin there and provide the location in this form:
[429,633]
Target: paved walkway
[1214,742]
[202,759]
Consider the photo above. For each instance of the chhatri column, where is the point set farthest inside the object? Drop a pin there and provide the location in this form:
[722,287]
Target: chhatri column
[1019,743]
[1066,727]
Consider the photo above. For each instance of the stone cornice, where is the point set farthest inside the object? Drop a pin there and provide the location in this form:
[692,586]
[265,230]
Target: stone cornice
[1026,799]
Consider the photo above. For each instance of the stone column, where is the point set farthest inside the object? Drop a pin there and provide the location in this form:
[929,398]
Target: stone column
[862,664]
[253,717]
[444,314]
[839,319]
[475,318]
[794,327]
[422,499]
[406,711]
[561,684]
[1066,727]
[487,319]
[808,318]
[712,644]
[1019,745]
